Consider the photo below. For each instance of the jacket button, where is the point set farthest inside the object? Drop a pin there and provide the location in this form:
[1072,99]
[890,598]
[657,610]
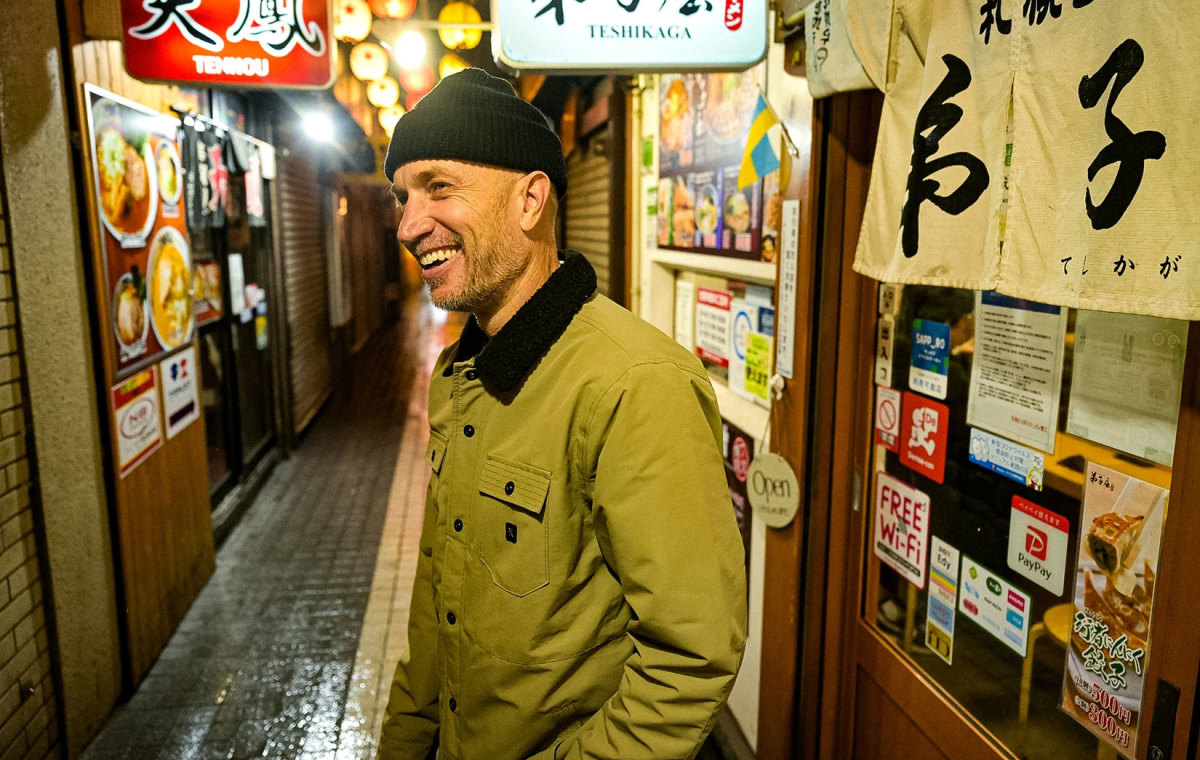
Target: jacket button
[468,431]
[458,526]
[509,487]
[450,618]
[472,374]
[453,704]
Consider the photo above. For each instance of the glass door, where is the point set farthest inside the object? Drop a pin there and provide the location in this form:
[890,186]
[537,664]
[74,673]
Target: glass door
[1014,516]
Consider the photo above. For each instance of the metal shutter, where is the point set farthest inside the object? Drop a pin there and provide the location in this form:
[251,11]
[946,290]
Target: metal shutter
[588,220]
[302,239]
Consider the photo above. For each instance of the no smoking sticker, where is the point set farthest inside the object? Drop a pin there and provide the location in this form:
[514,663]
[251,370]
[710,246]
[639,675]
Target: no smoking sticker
[887,418]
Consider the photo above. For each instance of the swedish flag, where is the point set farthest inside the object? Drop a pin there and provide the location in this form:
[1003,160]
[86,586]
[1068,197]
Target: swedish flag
[759,159]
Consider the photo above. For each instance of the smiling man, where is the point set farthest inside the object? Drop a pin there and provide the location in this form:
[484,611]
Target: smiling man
[580,590]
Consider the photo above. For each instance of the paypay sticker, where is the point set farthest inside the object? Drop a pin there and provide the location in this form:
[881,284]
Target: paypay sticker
[1037,544]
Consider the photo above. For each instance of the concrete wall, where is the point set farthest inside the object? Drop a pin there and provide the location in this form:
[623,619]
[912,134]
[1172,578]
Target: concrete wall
[48,267]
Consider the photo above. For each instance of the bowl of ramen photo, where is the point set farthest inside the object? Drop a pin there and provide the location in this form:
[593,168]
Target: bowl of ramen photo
[737,212]
[166,163]
[169,288]
[130,320]
[706,210]
[126,185]
[676,117]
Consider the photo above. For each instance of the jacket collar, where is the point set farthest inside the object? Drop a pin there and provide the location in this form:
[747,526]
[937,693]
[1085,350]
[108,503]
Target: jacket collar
[509,356]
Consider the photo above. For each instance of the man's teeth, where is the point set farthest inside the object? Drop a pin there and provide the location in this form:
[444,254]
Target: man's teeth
[430,258]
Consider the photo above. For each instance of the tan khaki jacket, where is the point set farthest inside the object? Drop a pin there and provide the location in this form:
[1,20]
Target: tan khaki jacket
[581,587]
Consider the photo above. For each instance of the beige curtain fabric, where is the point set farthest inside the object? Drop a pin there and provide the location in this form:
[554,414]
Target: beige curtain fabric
[1092,103]
[831,64]
[938,178]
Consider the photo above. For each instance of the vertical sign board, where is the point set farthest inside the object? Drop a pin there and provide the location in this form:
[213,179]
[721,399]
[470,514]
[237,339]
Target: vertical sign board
[943,599]
[930,358]
[1121,530]
[137,416]
[887,418]
[1037,544]
[244,43]
[180,390]
[901,527]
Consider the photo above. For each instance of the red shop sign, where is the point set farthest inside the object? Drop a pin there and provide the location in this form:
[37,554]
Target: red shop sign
[246,43]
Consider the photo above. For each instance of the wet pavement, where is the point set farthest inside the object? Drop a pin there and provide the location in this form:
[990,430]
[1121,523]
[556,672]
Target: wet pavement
[288,651]
[262,664]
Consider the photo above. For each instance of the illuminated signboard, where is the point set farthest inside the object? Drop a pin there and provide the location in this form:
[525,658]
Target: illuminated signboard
[629,35]
[242,43]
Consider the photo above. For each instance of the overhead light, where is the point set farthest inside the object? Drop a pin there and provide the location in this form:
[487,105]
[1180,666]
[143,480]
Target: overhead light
[418,80]
[451,63]
[383,92]
[398,9]
[409,50]
[368,61]
[459,38]
[389,116]
[318,126]
[351,20]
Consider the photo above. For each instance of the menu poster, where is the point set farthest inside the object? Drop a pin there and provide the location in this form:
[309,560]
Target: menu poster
[1016,374]
[704,123]
[147,262]
[713,328]
[1126,381]
[206,292]
[1114,591]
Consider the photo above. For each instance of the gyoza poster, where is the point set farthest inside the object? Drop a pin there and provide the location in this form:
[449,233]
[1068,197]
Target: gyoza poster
[1109,647]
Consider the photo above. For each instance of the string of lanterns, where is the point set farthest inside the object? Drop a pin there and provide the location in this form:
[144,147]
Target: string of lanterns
[370,61]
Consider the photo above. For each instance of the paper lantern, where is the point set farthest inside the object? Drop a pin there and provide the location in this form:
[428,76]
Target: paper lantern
[451,64]
[419,80]
[459,13]
[383,92]
[389,116]
[400,9]
[368,61]
[351,20]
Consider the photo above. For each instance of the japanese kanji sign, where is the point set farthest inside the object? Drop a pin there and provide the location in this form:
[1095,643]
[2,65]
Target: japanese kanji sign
[247,43]
[1045,149]
[629,35]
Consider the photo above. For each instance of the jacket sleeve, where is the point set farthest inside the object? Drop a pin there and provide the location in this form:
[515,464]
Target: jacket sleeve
[667,529]
[410,726]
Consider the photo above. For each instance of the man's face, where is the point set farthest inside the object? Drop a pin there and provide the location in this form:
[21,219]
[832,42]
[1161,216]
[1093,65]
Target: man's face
[462,223]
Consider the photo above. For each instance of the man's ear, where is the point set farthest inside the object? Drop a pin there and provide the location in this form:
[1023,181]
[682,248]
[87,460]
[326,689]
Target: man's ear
[535,193]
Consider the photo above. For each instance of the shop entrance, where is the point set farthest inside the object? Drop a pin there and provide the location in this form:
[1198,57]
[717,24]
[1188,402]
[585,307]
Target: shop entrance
[1009,568]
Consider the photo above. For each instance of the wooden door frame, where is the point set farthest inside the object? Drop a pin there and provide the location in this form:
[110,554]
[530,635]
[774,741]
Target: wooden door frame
[833,650]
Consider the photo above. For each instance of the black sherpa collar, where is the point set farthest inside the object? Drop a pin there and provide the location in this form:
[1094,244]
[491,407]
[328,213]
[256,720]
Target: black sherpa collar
[508,357]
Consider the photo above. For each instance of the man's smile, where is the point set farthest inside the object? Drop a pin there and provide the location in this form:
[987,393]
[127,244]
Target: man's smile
[434,256]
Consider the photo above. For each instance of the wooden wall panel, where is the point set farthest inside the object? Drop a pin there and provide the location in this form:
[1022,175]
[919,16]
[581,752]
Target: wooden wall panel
[162,512]
[884,730]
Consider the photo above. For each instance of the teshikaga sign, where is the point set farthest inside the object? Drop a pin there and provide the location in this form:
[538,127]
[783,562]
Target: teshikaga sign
[245,43]
[629,35]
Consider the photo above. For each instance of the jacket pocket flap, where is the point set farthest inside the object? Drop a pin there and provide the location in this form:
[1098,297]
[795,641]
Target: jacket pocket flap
[435,452]
[514,483]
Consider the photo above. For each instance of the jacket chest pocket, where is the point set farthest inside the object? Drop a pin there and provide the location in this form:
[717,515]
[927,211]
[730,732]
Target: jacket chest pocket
[435,452]
[513,540]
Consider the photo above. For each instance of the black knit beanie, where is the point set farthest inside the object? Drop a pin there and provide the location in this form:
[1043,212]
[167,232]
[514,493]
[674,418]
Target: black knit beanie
[474,116]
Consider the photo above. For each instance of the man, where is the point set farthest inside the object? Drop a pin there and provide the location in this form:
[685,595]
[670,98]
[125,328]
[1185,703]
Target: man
[580,591]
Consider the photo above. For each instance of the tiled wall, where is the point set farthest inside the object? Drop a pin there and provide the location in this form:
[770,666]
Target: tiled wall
[28,723]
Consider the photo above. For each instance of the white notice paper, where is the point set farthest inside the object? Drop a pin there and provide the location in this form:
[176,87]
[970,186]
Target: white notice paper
[1126,381]
[789,252]
[685,314]
[1016,374]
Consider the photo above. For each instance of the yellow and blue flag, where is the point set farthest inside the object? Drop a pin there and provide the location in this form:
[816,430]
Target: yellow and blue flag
[759,159]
